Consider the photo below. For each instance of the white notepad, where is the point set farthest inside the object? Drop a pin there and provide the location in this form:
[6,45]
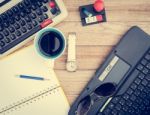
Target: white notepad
[25,96]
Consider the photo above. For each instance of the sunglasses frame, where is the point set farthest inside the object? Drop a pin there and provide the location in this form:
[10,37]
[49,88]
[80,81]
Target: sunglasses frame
[93,98]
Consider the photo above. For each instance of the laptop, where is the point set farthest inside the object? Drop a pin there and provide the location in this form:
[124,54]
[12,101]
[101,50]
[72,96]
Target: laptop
[121,86]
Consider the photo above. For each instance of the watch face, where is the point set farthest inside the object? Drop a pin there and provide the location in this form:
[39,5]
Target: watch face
[71,66]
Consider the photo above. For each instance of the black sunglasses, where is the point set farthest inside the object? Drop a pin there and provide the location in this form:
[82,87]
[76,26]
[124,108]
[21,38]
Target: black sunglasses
[106,89]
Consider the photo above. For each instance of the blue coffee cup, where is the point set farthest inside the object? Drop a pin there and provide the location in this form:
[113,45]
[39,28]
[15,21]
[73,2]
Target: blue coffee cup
[50,43]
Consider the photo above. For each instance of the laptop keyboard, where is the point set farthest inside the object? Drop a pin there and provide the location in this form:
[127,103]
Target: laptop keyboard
[136,99]
[23,20]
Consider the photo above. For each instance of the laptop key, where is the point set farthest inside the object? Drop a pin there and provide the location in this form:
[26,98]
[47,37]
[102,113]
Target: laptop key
[12,37]
[45,1]
[24,30]
[2,44]
[129,103]
[4,17]
[40,19]
[143,95]
[144,62]
[39,11]
[121,113]
[147,57]
[125,108]
[131,110]
[122,101]
[28,11]
[140,87]
[148,77]
[1,28]
[107,111]
[144,82]
[115,100]
[135,106]
[141,76]
[6,24]
[145,71]
[26,2]
[142,107]
[137,92]
[29,26]
[16,25]
[33,7]
[133,97]
[54,11]
[126,96]
[6,32]
[10,12]
[33,15]
[45,16]
[114,112]
[1,20]
[111,105]
[140,67]
[17,17]
[21,6]
[118,107]
[22,22]
[1,36]
[22,14]
[139,100]
[133,86]
[15,9]
[11,29]
[148,65]
[137,81]
[137,112]
[12,20]
[27,18]
[18,33]
[39,4]
[146,102]
[44,8]
[7,40]
[34,23]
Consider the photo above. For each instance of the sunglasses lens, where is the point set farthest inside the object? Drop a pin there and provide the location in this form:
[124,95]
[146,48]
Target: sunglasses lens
[106,89]
[84,106]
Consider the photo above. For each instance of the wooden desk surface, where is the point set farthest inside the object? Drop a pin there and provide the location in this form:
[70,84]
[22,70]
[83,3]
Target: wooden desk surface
[96,41]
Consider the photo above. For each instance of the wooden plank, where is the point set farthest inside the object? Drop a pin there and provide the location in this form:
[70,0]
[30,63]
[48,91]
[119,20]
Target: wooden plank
[99,34]
[71,98]
[111,4]
[78,76]
[88,57]
[108,33]
[117,10]
[74,82]
[117,16]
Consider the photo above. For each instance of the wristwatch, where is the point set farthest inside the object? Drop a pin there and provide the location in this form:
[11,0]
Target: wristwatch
[71,60]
